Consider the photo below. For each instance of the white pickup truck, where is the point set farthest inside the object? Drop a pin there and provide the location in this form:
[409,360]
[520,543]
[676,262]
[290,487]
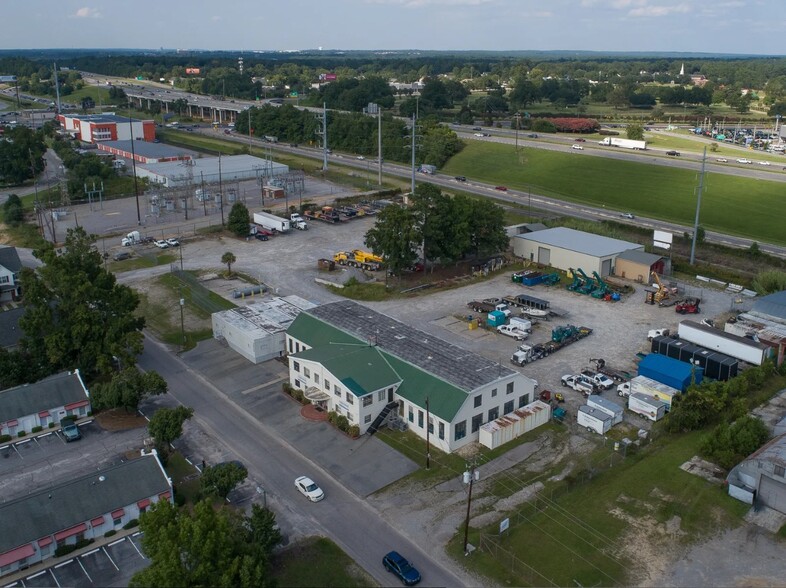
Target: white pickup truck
[579,383]
[602,380]
[513,331]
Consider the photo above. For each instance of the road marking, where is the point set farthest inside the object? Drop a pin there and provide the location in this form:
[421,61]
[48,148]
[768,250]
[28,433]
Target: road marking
[116,542]
[61,564]
[265,385]
[89,552]
[23,442]
[85,571]
[54,577]
[36,575]
[110,558]
[137,549]
[111,213]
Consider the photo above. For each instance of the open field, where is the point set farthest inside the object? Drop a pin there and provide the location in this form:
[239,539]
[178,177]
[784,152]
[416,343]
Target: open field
[734,205]
[317,562]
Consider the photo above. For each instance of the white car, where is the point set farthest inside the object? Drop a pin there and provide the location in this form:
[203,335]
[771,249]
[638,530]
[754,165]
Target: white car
[764,163]
[161,244]
[479,135]
[173,242]
[309,489]
[743,160]
[627,215]
[577,147]
[361,157]
[722,160]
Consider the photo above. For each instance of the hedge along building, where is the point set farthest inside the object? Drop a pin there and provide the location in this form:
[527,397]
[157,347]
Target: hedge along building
[369,367]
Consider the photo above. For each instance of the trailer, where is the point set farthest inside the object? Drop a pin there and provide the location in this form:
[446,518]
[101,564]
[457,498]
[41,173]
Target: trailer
[560,337]
[594,419]
[624,143]
[514,424]
[717,366]
[611,408]
[742,348]
[529,277]
[271,222]
[648,387]
[647,406]
[327,215]
[527,301]
[487,305]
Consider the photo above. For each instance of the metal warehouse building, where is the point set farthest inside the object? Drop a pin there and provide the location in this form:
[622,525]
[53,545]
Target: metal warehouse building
[144,151]
[258,331]
[565,248]
[211,170]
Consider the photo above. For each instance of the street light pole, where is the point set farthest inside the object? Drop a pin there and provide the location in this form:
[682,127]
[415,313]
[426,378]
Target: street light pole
[469,478]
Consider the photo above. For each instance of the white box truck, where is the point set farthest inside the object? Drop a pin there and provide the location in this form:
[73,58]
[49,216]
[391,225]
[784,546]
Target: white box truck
[594,419]
[521,324]
[624,143]
[646,406]
[271,222]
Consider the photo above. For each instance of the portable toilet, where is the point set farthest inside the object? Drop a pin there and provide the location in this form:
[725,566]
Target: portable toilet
[496,318]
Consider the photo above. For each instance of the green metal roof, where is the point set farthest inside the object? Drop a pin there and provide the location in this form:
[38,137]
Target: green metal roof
[335,346]
[362,369]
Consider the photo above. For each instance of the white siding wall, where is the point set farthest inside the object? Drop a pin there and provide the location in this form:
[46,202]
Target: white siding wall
[560,258]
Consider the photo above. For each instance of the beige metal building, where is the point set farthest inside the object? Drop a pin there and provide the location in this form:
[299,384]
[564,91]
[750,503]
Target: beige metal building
[637,265]
[565,248]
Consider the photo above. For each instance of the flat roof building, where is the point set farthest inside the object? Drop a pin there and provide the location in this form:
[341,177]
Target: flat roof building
[144,151]
[232,168]
[93,128]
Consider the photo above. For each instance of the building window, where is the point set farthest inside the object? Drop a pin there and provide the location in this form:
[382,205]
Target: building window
[381,396]
[411,415]
[368,399]
[780,471]
[494,393]
[523,400]
[296,366]
[441,430]
[316,379]
[297,383]
[367,419]
[306,372]
[117,521]
[508,407]
[350,398]
[509,389]
[420,419]
[327,385]
[290,345]
[478,400]
[460,430]
[349,416]
[431,426]
[494,414]
[337,390]
[477,420]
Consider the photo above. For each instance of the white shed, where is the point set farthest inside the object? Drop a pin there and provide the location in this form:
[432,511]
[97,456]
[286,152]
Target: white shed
[257,331]
[514,424]
[594,419]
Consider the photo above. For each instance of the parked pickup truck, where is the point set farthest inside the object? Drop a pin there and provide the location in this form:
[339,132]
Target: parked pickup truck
[513,331]
[602,380]
[579,383]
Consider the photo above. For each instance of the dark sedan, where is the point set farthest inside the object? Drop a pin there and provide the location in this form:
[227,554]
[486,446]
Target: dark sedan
[396,564]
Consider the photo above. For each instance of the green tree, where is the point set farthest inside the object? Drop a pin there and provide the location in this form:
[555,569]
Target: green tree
[222,478]
[205,547]
[13,213]
[263,529]
[21,155]
[228,258]
[77,315]
[635,132]
[727,445]
[395,236]
[238,220]
[618,98]
[167,425]
[127,389]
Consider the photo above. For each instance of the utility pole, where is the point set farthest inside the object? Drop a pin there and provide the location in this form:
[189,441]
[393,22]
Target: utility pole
[133,165]
[220,190]
[57,87]
[379,146]
[323,133]
[412,148]
[204,196]
[518,124]
[469,477]
[698,207]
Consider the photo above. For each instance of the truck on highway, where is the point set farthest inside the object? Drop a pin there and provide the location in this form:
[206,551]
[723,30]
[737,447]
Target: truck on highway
[427,169]
[271,222]
[624,143]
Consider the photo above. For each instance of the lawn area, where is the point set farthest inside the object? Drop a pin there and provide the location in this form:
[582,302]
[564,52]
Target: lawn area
[135,263]
[730,204]
[317,562]
[589,534]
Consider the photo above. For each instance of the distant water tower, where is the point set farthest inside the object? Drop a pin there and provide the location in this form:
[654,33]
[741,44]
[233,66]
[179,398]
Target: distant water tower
[240,64]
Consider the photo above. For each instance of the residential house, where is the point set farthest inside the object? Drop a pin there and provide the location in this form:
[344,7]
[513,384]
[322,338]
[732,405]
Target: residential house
[10,266]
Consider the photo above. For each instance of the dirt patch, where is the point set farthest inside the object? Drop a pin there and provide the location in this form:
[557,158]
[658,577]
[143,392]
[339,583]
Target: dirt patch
[118,419]
[704,469]
[167,308]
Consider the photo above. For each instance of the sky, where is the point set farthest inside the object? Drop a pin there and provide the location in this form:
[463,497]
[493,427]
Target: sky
[708,26]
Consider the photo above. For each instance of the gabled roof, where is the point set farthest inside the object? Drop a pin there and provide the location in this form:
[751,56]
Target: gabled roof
[60,507]
[58,390]
[774,451]
[9,259]
[360,368]
[573,240]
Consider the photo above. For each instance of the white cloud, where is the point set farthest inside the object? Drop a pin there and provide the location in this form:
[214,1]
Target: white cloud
[86,12]
[653,11]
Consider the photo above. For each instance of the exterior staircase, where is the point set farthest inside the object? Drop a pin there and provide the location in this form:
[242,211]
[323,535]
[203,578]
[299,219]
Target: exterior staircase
[374,427]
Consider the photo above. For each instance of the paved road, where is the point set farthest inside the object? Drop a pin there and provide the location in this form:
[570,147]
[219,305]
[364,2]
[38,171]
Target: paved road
[342,516]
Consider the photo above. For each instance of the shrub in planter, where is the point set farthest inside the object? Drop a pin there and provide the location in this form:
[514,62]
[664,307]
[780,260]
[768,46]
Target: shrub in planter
[354,431]
[64,550]
[36,429]
[131,524]
[110,533]
[21,433]
[51,425]
[342,423]
[5,438]
[287,387]
[332,415]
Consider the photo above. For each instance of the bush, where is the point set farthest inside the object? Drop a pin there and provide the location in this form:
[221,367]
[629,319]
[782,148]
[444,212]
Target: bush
[6,438]
[332,415]
[342,423]
[51,425]
[287,387]
[354,431]
[180,499]
[544,126]
[64,550]
[728,445]
[21,433]
[110,533]
[131,524]
[36,429]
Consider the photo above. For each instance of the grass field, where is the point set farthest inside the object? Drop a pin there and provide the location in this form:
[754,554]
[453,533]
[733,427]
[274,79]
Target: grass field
[317,562]
[577,539]
[734,205]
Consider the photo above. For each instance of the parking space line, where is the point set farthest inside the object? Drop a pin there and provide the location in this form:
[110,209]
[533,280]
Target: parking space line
[116,542]
[135,547]
[54,577]
[41,573]
[45,435]
[85,571]
[23,442]
[89,552]
[266,384]
[17,451]
[64,563]
[14,584]
[110,558]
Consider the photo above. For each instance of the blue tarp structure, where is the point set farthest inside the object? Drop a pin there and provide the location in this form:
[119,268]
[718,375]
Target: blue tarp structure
[670,371]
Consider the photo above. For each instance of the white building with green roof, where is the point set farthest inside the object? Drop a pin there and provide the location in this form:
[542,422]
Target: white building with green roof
[370,367]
